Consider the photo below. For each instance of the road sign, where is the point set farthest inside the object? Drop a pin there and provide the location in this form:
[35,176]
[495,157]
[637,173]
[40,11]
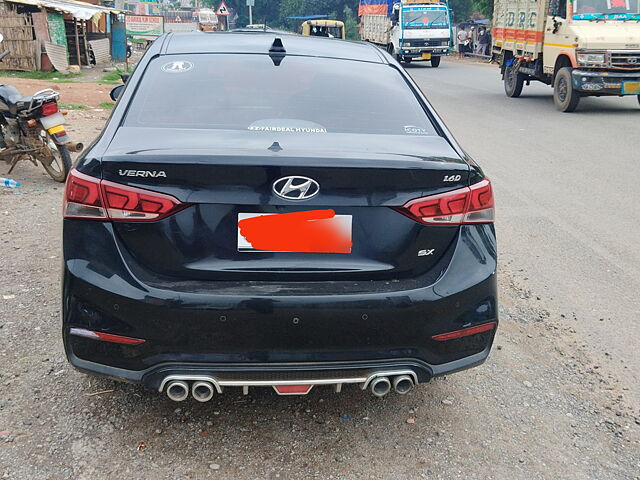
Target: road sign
[251,3]
[223,10]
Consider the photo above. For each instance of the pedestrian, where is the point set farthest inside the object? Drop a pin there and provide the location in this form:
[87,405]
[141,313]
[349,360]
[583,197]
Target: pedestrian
[483,42]
[473,37]
[463,41]
[488,52]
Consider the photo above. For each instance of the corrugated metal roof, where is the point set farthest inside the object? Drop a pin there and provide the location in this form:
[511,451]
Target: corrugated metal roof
[81,10]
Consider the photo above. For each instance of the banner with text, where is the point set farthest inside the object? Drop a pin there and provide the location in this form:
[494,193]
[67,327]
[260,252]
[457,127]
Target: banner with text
[144,25]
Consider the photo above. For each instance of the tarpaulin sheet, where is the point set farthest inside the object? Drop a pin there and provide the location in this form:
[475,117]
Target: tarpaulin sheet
[375,7]
[80,10]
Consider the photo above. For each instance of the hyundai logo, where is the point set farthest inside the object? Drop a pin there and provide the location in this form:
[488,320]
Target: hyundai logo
[296,188]
[633,60]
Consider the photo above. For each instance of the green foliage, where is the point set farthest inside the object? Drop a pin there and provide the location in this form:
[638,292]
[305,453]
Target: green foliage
[106,105]
[275,12]
[350,24]
[37,75]
[463,9]
[460,10]
[113,78]
[72,106]
[485,7]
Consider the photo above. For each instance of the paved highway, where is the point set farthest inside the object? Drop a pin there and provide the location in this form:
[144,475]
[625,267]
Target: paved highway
[567,199]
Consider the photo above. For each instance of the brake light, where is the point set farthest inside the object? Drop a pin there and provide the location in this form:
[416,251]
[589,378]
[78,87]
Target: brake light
[92,198]
[49,108]
[466,205]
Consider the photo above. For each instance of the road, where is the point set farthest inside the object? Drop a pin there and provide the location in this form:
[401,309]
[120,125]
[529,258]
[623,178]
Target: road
[557,398]
[566,187]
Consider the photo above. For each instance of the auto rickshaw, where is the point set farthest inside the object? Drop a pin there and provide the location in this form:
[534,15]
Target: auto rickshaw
[323,28]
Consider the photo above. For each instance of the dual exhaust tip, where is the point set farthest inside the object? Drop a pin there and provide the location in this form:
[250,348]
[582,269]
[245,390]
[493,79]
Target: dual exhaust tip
[402,384]
[203,391]
[178,391]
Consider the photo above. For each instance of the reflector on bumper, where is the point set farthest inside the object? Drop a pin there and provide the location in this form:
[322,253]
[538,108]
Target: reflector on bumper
[292,389]
[105,337]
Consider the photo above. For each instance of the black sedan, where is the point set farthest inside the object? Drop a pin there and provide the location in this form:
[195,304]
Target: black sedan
[277,211]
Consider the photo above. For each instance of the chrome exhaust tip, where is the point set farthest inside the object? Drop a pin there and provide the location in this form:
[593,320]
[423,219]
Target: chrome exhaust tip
[74,146]
[202,391]
[403,384]
[178,390]
[380,386]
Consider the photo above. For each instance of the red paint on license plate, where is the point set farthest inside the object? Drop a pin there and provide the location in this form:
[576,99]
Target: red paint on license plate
[317,231]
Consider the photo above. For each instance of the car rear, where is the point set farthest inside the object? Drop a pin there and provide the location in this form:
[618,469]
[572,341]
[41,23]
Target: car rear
[287,222]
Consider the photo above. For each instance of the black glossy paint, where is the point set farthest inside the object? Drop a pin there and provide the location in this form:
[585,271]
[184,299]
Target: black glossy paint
[201,305]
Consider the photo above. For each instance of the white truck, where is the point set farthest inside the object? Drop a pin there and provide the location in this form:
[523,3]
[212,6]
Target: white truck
[580,47]
[410,29]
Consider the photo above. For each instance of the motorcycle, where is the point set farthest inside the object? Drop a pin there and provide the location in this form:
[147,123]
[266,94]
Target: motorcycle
[32,128]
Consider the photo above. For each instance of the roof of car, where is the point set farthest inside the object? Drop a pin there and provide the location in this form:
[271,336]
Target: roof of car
[260,42]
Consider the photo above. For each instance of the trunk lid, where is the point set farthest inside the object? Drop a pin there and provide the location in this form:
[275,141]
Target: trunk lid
[359,176]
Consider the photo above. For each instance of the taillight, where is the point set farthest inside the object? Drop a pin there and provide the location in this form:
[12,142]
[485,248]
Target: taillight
[82,197]
[92,198]
[131,203]
[49,108]
[466,205]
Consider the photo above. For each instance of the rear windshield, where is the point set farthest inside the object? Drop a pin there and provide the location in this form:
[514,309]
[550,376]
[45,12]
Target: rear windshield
[302,95]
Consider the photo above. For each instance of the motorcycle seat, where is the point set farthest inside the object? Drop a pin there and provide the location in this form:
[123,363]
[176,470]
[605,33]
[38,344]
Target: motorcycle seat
[13,98]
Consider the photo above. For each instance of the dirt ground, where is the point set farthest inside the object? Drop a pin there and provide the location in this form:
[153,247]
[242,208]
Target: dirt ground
[538,409]
[82,93]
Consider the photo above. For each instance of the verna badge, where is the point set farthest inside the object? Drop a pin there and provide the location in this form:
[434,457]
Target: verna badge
[296,188]
[142,173]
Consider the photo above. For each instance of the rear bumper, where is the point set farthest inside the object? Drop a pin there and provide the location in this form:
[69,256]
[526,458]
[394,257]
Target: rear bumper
[606,83]
[223,329]
[265,375]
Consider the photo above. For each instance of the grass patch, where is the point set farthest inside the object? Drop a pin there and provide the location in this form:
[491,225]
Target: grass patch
[113,78]
[53,76]
[106,105]
[72,106]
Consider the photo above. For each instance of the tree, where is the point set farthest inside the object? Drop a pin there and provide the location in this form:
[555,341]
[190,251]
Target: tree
[350,24]
[460,10]
[463,9]
[485,7]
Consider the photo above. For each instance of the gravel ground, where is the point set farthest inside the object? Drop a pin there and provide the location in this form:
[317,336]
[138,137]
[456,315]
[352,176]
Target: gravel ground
[538,409]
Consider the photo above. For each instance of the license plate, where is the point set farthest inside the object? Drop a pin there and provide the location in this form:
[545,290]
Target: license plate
[631,88]
[310,231]
[426,56]
[51,121]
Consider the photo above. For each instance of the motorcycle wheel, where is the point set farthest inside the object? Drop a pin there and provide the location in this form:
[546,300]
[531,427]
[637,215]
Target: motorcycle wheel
[61,163]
